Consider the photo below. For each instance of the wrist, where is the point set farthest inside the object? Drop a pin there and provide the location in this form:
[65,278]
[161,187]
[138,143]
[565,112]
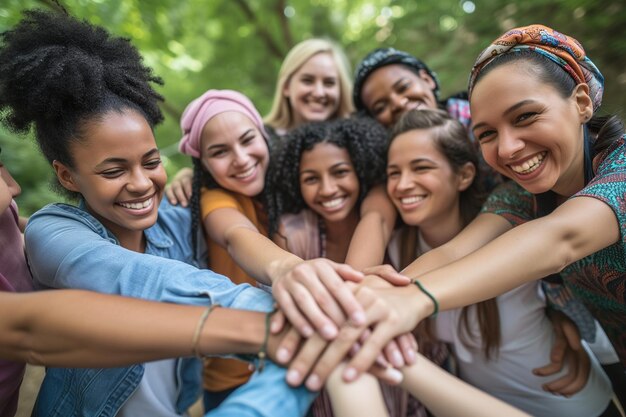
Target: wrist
[280,267]
[421,304]
[230,331]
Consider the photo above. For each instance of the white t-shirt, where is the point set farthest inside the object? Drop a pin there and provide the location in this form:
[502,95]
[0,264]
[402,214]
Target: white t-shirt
[156,394]
[526,342]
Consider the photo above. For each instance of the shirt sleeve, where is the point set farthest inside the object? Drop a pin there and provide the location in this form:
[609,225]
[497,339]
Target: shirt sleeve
[214,199]
[66,253]
[609,184]
[512,202]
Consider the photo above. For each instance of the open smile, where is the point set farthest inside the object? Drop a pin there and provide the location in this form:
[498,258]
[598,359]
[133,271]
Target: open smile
[530,165]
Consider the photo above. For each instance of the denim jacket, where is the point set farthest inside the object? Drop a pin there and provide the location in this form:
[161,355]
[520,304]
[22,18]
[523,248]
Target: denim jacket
[67,247]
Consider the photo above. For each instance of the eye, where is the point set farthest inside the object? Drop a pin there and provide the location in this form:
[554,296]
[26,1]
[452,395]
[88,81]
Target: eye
[112,173]
[421,168]
[379,108]
[217,153]
[342,172]
[309,180]
[248,140]
[393,174]
[153,163]
[403,87]
[330,83]
[485,135]
[306,80]
[525,117]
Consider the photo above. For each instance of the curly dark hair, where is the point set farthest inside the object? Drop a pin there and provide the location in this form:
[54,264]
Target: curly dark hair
[58,73]
[363,138]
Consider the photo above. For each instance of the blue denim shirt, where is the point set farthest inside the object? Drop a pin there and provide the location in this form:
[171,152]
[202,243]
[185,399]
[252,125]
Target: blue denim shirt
[66,247]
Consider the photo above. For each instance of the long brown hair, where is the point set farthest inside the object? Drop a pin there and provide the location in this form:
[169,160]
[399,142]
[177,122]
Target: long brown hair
[451,139]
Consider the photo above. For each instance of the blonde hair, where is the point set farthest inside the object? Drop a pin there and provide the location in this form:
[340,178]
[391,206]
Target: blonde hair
[280,116]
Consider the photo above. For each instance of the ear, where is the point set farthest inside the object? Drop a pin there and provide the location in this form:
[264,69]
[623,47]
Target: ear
[64,174]
[584,105]
[466,176]
[423,74]
[286,88]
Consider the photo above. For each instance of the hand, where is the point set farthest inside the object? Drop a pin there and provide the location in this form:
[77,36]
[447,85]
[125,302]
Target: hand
[568,349]
[391,311]
[387,273]
[179,190]
[313,294]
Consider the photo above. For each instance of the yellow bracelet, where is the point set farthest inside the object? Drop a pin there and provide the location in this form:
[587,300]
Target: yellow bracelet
[199,326]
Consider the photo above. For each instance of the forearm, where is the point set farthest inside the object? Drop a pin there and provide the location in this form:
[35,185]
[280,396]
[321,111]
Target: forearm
[447,396]
[84,329]
[526,253]
[256,254]
[369,241]
[362,397]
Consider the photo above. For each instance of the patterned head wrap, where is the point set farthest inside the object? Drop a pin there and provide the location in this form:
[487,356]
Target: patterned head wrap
[207,106]
[564,50]
[382,57]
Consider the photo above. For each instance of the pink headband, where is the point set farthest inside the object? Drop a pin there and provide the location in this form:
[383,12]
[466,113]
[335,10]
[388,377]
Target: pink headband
[207,106]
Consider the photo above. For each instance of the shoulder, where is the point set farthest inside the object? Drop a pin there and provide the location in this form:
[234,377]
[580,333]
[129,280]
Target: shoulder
[510,201]
[213,199]
[62,216]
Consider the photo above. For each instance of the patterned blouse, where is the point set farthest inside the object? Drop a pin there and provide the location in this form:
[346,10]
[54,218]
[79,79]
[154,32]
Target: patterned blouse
[599,280]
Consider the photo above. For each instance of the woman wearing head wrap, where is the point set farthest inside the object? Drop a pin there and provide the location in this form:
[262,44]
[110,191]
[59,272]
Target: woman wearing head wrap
[389,82]
[534,94]
[224,135]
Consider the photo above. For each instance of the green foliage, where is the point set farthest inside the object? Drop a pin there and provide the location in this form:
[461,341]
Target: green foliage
[195,45]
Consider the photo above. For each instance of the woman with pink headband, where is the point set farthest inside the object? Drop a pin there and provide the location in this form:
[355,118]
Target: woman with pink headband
[224,135]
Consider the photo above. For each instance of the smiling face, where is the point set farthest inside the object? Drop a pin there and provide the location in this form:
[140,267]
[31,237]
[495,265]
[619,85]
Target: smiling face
[328,181]
[421,182]
[313,90]
[235,153]
[392,90]
[118,172]
[528,131]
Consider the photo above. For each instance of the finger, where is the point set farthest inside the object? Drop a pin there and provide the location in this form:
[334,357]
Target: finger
[314,305]
[288,307]
[576,379]
[288,346]
[348,273]
[171,197]
[408,347]
[393,354]
[305,360]
[187,188]
[388,374]
[389,274]
[572,335]
[342,293]
[323,284]
[277,322]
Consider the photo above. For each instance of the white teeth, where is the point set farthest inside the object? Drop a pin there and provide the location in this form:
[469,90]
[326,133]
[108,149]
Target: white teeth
[530,165]
[246,173]
[137,206]
[333,203]
[411,200]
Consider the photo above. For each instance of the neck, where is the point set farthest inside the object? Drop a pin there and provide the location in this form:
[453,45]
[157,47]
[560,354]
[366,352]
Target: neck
[338,236]
[135,241]
[572,179]
[436,233]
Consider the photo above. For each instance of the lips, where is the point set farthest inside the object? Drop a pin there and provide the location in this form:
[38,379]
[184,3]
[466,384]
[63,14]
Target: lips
[139,207]
[530,164]
[334,203]
[246,174]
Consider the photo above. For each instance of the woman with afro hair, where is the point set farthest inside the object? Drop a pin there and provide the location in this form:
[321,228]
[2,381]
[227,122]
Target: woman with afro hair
[89,98]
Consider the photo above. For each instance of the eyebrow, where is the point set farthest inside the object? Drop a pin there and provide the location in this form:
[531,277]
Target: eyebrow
[506,112]
[122,160]
[338,164]
[414,161]
[221,145]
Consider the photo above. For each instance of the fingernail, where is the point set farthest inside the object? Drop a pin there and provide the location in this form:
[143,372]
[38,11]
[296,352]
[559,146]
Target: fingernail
[411,356]
[349,374]
[394,375]
[282,355]
[313,383]
[397,359]
[293,377]
[307,331]
[329,331]
[274,326]
[358,318]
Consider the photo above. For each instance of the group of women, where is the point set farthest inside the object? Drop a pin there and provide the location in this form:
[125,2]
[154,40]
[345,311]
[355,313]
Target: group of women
[303,208]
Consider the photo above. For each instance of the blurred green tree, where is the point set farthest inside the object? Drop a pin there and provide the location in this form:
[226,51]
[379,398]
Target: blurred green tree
[195,45]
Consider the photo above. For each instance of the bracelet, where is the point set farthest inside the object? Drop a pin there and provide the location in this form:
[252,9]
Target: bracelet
[262,355]
[199,326]
[428,294]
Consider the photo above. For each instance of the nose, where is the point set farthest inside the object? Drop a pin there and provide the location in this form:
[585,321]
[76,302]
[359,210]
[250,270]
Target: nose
[405,182]
[509,144]
[318,89]
[13,186]
[398,103]
[140,182]
[328,187]
[241,156]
